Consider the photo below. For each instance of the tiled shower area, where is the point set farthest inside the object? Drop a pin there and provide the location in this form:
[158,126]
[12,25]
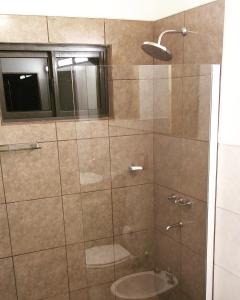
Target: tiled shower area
[73,217]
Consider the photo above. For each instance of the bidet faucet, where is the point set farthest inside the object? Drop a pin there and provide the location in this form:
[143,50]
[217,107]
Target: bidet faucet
[170,276]
[179,224]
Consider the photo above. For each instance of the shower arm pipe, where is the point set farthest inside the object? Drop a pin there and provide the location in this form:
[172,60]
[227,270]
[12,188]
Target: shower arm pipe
[183,31]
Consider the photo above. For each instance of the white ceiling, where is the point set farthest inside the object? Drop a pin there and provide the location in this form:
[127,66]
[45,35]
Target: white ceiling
[110,9]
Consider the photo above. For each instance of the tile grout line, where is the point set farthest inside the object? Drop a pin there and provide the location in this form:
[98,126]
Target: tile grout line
[63,215]
[9,231]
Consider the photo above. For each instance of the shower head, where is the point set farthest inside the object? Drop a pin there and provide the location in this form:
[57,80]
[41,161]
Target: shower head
[158,51]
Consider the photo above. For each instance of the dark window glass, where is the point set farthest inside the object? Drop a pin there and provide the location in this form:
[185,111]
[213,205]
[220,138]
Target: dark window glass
[22,92]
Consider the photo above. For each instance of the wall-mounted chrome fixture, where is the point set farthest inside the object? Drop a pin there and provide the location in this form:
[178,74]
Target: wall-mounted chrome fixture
[134,169]
[19,147]
[179,201]
[179,224]
[158,51]
[183,202]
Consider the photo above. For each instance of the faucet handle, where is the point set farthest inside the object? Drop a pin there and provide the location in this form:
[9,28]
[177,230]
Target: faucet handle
[173,197]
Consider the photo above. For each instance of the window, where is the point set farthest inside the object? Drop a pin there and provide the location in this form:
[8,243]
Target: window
[57,81]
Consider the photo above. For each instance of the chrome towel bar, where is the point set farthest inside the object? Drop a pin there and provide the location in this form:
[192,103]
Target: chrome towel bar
[19,147]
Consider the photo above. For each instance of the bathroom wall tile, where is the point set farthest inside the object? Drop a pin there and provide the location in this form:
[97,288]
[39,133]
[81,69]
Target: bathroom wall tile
[94,161]
[193,274]
[76,267]
[225,284]
[31,174]
[131,109]
[168,253]
[36,224]
[2,196]
[58,297]
[27,133]
[197,69]
[194,177]
[131,72]
[140,245]
[168,154]
[97,206]
[131,150]
[194,229]
[23,29]
[5,247]
[126,37]
[76,30]
[104,274]
[66,130]
[205,46]
[100,292]
[41,274]
[92,129]
[168,106]
[227,243]
[132,208]
[79,295]
[7,282]
[165,212]
[228,188]
[69,166]
[72,206]
[174,42]
[196,107]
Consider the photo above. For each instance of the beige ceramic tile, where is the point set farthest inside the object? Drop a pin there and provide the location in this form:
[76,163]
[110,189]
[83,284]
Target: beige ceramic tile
[167,161]
[132,208]
[69,166]
[36,225]
[168,106]
[72,205]
[228,188]
[168,253]
[103,274]
[92,129]
[131,150]
[7,282]
[193,274]
[166,213]
[27,133]
[194,229]
[5,247]
[174,42]
[205,46]
[127,37]
[195,169]
[140,245]
[23,29]
[76,30]
[41,274]
[79,295]
[100,292]
[97,206]
[227,244]
[66,130]
[94,163]
[2,196]
[76,266]
[31,174]
[131,72]
[58,297]
[196,107]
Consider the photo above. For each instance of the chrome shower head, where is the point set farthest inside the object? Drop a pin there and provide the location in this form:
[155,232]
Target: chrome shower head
[158,51]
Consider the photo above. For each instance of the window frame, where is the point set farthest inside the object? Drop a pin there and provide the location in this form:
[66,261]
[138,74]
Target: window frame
[51,52]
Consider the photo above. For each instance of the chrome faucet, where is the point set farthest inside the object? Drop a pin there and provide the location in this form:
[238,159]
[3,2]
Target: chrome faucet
[179,224]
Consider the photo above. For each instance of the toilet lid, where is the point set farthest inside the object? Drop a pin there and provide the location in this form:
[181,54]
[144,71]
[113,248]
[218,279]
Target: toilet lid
[106,255]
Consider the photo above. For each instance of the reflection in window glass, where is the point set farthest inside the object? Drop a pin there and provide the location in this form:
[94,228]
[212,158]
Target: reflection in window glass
[78,85]
[26,84]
